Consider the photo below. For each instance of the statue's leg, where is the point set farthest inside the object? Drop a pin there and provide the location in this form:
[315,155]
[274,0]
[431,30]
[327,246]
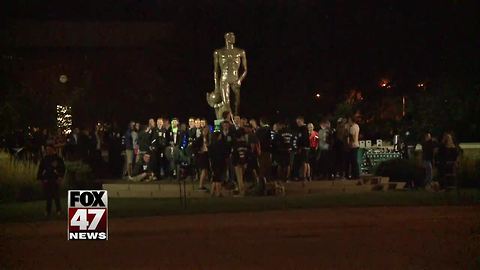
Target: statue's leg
[218,113]
[236,92]
[225,87]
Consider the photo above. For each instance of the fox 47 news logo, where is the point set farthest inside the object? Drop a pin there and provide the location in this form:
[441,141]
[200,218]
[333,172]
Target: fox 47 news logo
[87,215]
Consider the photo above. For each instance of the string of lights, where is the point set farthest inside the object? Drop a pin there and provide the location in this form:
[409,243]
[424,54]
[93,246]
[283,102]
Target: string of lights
[64,118]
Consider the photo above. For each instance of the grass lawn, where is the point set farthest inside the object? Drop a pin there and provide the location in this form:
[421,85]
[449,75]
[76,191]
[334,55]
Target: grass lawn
[118,207]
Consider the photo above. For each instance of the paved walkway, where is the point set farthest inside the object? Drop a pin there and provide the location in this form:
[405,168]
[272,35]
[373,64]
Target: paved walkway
[340,238]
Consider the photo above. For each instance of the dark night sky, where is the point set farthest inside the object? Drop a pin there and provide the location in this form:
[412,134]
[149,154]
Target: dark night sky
[294,49]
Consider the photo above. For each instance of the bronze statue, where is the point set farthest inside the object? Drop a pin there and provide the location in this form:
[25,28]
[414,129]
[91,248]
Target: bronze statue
[229,60]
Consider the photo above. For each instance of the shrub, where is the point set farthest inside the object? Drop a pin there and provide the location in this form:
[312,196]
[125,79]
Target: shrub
[402,170]
[78,175]
[18,180]
[469,172]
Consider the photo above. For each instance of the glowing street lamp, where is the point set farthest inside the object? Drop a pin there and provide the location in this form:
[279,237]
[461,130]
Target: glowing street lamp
[63,78]
[421,85]
[385,83]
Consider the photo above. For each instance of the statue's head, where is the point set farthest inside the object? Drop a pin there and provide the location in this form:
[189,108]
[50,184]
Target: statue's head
[230,38]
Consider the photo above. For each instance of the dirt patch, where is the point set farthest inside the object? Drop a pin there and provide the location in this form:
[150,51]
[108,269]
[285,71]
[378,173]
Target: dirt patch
[340,238]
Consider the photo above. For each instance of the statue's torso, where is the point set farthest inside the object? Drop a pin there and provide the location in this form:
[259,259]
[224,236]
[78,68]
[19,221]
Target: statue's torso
[229,61]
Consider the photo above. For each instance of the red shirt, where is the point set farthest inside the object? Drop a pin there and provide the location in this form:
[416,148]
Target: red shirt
[313,139]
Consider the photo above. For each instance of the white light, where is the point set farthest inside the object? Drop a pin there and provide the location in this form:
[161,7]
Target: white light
[63,78]
[64,118]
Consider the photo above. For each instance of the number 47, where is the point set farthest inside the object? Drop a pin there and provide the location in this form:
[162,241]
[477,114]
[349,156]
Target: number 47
[80,218]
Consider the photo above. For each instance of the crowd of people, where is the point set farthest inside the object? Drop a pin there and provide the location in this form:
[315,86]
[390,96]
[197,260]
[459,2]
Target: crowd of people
[235,152]
[232,153]
[442,154]
[240,152]
[93,146]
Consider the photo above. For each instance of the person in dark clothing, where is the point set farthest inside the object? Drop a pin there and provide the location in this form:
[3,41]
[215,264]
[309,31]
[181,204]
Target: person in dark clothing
[283,147]
[152,143]
[114,138]
[175,137]
[339,148]
[428,147]
[161,141]
[143,142]
[84,146]
[128,144]
[447,161]
[227,132]
[143,170]
[218,153]
[36,145]
[303,145]
[264,135]
[46,139]
[200,148]
[273,135]
[191,136]
[97,161]
[50,173]
[324,158]
[253,167]
[192,130]
[240,156]
[71,143]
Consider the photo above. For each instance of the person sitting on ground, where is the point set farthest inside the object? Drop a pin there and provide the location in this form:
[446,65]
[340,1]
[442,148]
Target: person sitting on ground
[143,170]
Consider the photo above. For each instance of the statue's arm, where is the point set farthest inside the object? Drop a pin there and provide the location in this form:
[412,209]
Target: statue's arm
[215,69]
[244,65]
[217,90]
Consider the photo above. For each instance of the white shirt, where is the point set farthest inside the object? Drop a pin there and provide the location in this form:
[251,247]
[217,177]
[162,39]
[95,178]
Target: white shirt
[135,139]
[354,132]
